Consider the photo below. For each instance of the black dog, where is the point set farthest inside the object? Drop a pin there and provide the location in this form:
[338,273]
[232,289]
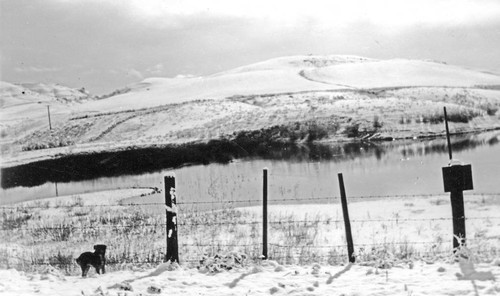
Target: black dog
[96,259]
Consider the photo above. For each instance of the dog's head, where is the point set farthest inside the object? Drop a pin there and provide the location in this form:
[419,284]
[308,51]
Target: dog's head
[100,249]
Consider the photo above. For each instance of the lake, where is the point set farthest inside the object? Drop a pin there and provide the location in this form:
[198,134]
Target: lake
[297,173]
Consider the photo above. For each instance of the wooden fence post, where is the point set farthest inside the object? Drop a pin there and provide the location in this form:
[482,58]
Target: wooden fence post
[347,222]
[264,215]
[171,224]
[456,178]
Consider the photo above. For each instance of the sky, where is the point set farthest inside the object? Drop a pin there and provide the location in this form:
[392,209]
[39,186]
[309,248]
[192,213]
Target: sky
[104,45]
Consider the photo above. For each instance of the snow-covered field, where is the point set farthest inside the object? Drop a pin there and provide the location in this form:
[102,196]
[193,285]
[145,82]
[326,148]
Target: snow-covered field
[383,267]
[267,278]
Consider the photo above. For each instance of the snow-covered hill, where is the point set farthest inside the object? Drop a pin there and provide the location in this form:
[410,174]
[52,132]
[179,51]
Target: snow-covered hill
[12,95]
[338,96]
[294,74]
[394,73]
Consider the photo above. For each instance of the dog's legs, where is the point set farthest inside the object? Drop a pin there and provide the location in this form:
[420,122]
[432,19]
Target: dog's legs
[85,270]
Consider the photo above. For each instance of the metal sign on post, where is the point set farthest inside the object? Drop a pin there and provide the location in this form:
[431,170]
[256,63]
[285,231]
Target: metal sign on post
[456,178]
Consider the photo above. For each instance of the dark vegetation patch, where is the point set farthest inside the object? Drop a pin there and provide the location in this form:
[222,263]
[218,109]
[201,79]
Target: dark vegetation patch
[272,143]
[293,142]
[493,86]
[294,132]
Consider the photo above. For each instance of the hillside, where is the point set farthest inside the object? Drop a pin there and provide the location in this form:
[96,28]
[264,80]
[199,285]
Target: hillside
[24,107]
[280,75]
[12,95]
[295,99]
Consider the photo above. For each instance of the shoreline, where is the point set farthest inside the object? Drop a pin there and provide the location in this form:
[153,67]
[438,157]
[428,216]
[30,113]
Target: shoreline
[108,197]
[29,157]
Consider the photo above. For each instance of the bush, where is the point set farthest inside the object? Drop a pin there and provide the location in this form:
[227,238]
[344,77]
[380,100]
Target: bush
[297,131]
[57,233]
[352,130]
[14,220]
[376,123]
[462,115]
[221,262]
[491,110]
[61,260]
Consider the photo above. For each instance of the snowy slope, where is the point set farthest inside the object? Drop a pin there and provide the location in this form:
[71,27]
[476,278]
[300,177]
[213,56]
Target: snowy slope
[300,62]
[293,74]
[398,72]
[24,107]
[58,92]
[161,91]
[12,95]
[30,100]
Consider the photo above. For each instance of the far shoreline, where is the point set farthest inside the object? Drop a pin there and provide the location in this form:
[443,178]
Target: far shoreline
[29,157]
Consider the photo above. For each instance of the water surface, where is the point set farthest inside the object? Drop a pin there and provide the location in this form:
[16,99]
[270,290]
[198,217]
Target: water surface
[298,173]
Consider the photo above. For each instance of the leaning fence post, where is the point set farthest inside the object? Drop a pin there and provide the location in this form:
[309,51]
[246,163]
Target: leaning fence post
[347,222]
[171,224]
[264,215]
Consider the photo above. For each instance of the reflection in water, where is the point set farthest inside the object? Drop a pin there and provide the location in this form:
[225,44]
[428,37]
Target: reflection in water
[135,162]
[458,144]
[404,163]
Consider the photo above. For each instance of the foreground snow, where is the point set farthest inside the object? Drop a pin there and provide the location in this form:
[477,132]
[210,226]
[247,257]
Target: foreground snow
[268,278]
[433,276]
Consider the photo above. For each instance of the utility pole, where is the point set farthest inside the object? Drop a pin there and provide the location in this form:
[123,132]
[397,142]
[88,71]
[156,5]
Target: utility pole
[48,112]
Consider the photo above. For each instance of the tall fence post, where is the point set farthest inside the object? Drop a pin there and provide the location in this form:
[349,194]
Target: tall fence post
[456,179]
[264,215]
[171,224]
[347,222]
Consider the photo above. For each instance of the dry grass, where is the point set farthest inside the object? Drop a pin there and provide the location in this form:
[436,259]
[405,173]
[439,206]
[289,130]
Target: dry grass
[390,112]
[135,235]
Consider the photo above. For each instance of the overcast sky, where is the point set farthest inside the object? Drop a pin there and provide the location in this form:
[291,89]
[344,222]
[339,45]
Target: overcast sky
[107,44]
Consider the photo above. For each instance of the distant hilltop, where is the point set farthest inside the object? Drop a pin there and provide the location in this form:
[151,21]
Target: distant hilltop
[26,93]
[296,74]
[278,75]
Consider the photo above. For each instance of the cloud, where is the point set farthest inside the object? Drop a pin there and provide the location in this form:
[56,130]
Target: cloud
[36,69]
[141,38]
[135,73]
[385,13]
[156,69]
[132,73]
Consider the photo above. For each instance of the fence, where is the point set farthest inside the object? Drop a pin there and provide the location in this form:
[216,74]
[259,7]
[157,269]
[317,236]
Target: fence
[135,233]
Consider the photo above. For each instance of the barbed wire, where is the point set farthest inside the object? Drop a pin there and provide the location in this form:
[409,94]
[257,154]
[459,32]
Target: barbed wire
[220,244]
[304,223]
[206,202]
